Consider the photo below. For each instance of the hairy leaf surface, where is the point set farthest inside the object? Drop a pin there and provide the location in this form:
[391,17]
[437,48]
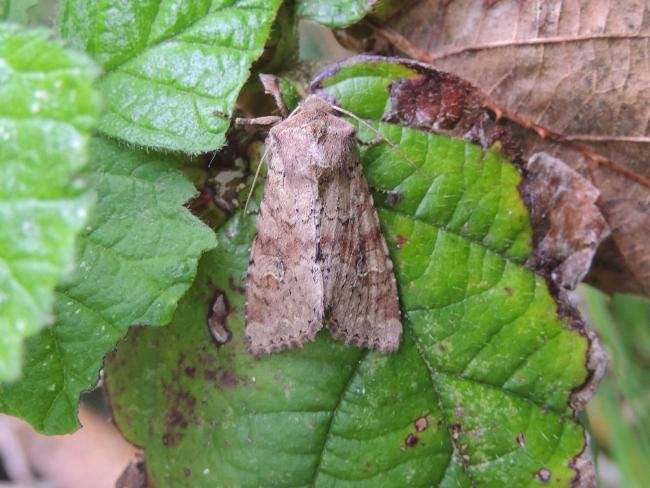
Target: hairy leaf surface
[47,110]
[137,257]
[173,69]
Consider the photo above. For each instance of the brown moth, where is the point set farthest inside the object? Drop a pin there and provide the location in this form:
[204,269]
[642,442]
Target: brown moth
[319,256]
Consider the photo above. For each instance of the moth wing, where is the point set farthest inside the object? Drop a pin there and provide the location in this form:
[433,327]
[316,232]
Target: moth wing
[284,298]
[362,304]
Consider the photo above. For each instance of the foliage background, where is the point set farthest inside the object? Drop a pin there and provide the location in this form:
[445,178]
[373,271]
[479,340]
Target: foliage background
[619,416]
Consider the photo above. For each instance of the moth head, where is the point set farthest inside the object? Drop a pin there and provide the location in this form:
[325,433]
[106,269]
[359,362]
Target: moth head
[314,143]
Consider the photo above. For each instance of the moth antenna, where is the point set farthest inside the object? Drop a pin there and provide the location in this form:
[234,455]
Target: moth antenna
[257,173]
[380,135]
[214,155]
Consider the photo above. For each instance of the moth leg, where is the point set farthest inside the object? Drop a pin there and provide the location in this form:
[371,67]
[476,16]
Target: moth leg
[257,123]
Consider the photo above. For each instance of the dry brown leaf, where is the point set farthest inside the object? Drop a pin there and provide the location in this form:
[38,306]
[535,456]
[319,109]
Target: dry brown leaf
[578,74]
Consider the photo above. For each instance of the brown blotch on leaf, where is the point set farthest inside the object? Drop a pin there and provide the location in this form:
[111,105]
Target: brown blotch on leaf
[180,414]
[187,472]
[227,379]
[400,240]
[521,440]
[221,378]
[422,423]
[543,475]
[434,100]
[218,319]
[411,440]
[176,425]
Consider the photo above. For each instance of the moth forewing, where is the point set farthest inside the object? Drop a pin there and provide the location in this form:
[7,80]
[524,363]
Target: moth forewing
[319,257]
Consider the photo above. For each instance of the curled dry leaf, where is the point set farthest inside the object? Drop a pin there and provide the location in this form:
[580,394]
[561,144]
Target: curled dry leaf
[586,477]
[577,75]
[563,204]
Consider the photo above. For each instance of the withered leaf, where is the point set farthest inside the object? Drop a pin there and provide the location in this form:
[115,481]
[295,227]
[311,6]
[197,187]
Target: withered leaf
[575,72]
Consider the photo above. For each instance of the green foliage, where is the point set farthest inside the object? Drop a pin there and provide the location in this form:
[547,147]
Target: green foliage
[335,13]
[476,395]
[290,93]
[16,10]
[622,323]
[173,69]
[47,109]
[137,257]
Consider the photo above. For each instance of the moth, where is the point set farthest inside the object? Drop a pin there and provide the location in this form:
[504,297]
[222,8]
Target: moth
[319,257]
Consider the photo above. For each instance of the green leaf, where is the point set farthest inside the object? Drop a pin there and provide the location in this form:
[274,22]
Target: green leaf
[335,13]
[16,10]
[618,412]
[47,109]
[477,395]
[174,68]
[137,257]
[289,93]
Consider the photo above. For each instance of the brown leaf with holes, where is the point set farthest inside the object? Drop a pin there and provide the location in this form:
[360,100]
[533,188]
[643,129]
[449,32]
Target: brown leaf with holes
[578,74]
